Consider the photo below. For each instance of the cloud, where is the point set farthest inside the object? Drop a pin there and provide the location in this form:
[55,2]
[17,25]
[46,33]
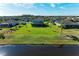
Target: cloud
[24,5]
[2,5]
[62,7]
[53,5]
[42,5]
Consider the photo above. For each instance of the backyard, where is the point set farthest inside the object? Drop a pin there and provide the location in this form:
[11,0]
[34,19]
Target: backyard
[27,34]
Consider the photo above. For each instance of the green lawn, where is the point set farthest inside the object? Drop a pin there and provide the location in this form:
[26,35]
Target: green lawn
[36,35]
[71,31]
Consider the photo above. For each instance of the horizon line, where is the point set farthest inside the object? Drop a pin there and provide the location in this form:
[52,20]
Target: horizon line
[38,15]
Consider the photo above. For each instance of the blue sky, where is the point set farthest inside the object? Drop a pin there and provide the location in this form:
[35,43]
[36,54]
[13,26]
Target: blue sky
[58,9]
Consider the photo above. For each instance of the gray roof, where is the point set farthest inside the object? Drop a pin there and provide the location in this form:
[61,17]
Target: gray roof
[71,23]
[37,21]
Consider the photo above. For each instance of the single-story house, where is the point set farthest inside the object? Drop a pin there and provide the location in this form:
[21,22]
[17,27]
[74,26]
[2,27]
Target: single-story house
[25,19]
[71,25]
[67,24]
[5,25]
[57,22]
[8,24]
[38,23]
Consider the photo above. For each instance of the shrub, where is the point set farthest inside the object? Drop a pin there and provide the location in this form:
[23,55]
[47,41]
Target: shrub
[19,26]
[23,23]
[0,28]
[16,27]
[2,36]
[13,29]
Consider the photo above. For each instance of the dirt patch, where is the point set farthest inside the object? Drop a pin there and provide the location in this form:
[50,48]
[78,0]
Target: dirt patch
[9,31]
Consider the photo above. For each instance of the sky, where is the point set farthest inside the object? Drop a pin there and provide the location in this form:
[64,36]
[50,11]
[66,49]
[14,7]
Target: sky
[46,9]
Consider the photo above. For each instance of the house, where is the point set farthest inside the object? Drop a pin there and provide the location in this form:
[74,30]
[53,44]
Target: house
[38,23]
[57,22]
[8,23]
[13,22]
[25,19]
[3,25]
[72,25]
[67,24]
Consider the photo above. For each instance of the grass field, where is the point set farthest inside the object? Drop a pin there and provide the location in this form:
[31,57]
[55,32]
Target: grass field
[35,35]
[71,31]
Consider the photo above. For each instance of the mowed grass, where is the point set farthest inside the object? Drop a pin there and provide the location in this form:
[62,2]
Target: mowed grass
[28,29]
[71,31]
[3,30]
[36,35]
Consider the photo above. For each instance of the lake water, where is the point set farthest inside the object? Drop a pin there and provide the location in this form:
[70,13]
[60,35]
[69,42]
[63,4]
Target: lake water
[39,50]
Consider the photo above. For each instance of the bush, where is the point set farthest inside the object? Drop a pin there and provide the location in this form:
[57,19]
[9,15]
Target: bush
[23,23]
[13,29]
[2,36]
[19,26]
[0,28]
[16,27]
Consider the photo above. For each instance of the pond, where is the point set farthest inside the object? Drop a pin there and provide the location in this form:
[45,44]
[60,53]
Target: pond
[39,50]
